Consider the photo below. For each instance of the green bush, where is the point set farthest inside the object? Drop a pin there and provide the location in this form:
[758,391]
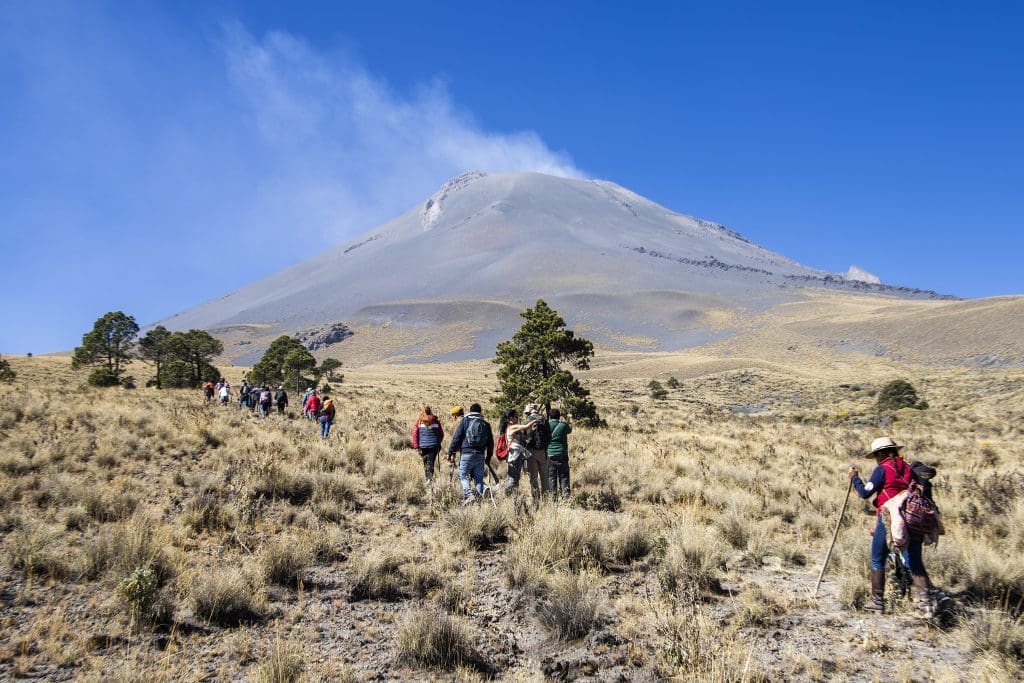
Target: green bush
[658,392]
[6,374]
[103,377]
[897,394]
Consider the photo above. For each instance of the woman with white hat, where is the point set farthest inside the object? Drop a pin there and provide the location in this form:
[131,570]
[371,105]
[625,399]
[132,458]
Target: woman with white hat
[890,477]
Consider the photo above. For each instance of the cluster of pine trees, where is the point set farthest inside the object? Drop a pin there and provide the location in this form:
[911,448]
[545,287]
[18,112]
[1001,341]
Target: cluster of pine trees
[181,359]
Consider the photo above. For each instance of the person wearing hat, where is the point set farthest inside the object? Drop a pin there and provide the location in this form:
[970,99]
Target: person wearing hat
[890,477]
[281,399]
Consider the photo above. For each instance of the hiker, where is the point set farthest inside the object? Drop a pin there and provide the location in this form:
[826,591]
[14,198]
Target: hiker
[326,417]
[243,394]
[517,452]
[254,398]
[305,397]
[558,454]
[208,389]
[427,435]
[891,477]
[537,442]
[265,400]
[225,393]
[312,407]
[475,441]
[457,414]
[281,399]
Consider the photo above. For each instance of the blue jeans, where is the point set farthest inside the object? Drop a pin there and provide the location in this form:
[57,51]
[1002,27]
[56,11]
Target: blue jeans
[880,550]
[325,426]
[471,465]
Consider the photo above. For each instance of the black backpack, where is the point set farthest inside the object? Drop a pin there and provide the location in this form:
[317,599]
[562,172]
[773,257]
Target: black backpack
[476,433]
[540,437]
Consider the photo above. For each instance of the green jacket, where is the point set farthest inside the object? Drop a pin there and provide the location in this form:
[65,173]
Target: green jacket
[558,447]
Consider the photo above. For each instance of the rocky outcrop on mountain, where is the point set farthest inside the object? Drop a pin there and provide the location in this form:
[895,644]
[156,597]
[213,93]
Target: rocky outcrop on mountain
[322,337]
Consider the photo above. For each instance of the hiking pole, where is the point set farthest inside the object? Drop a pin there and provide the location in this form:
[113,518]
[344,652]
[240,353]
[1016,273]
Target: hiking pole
[491,470]
[835,535]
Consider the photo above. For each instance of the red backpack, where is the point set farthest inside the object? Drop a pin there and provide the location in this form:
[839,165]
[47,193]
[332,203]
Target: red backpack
[501,447]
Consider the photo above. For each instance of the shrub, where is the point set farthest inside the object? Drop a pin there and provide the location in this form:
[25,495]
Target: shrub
[7,375]
[226,598]
[694,556]
[673,383]
[897,394]
[571,604]
[658,392]
[103,377]
[140,592]
[431,638]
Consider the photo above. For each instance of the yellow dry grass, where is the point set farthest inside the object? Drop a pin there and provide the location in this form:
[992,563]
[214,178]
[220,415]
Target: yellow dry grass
[694,535]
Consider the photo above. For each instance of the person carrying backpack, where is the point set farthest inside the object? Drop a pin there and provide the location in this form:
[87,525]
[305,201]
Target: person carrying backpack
[305,398]
[312,406]
[326,418]
[265,401]
[474,439]
[891,477]
[281,399]
[512,448]
[537,442]
[208,390]
[558,454]
[427,435]
[225,393]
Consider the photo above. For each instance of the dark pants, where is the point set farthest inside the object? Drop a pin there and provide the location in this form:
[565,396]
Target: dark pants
[880,550]
[515,471]
[429,456]
[558,476]
[280,408]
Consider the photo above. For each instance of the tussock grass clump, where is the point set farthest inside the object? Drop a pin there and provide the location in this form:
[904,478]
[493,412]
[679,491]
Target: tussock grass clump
[36,549]
[481,526]
[207,512]
[226,598]
[571,604]
[431,638]
[694,556]
[106,505]
[284,663]
[284,559]
[126,547]
[995,632]
[277,481]
[573,540]
[378,576]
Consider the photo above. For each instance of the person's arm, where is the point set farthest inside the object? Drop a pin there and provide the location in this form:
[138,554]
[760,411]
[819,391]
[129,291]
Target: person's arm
[440,433]
[416,435]
[873,486]
[489,448]
[515,429]
[456,438]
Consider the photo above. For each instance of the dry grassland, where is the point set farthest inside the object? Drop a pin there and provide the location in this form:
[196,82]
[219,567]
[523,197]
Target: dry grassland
[148,536]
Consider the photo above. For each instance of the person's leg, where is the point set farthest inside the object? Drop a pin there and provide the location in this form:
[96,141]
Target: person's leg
[535,474]
[922,585]
[465,468]
[515,470]
[563,477]
[541,456]
[879,554]
[478,474]
[429,456]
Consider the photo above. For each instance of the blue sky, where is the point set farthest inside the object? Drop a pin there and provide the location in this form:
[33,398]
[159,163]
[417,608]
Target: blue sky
[157,155]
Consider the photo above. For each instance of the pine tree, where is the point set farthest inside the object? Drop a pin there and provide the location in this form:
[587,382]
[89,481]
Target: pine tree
[155,347]
[271,368]
[193,353]
[7,375]
[295,362]
[532,366]
[107,348]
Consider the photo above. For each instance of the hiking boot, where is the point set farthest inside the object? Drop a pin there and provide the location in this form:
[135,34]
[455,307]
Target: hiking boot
[924,598]
[876,603]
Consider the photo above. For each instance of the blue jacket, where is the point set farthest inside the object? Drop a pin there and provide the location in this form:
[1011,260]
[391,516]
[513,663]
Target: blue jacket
[460,441]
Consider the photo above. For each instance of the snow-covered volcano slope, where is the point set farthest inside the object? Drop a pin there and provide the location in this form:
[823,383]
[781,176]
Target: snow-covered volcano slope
[486,245]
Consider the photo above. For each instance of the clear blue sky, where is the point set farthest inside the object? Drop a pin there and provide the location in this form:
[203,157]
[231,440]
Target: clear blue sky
[156,155]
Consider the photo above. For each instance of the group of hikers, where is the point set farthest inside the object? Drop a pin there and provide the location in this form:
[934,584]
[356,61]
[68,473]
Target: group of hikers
[537,441]
[261,400]
[906,520]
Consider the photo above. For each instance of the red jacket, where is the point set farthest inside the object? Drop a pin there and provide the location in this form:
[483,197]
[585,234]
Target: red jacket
[897,478]
[431,423]
[313,403]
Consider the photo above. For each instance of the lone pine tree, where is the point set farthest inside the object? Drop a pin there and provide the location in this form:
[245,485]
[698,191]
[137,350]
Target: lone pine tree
[533,366]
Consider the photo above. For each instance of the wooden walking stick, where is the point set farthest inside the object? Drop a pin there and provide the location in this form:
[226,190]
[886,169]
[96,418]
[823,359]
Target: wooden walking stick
[835,535]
